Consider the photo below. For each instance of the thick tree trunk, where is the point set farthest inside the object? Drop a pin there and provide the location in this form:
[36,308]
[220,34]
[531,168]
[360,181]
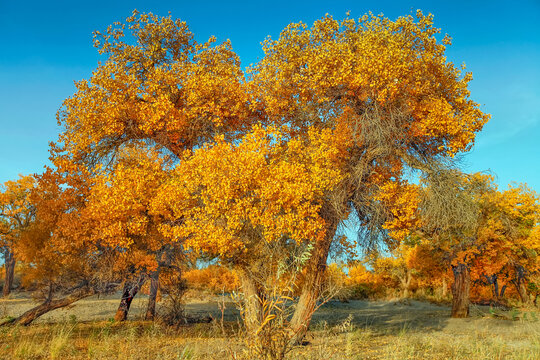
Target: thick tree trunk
[523,294]
[29,316]
[130,290]
[310,292]
[460,291]
[154,285]
[9,266]
[252,301]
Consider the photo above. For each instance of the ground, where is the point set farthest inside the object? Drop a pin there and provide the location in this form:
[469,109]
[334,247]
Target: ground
[398,329]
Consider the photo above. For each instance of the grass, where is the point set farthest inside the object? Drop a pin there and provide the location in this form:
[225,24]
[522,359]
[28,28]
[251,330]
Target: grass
[358,330]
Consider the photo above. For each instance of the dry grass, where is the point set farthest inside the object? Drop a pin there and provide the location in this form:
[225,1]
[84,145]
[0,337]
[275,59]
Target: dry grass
[355,330]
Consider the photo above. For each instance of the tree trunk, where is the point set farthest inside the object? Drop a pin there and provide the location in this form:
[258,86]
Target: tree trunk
[523,294]
[154,285]
[406,283]
[444,287]
[519,282]
[460,291]
[252,301]
[29,316]
[9,266]
[494,285]
[130,290]
[310,292]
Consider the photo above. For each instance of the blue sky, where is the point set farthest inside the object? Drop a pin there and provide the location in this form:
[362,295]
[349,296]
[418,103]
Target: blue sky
[45,46]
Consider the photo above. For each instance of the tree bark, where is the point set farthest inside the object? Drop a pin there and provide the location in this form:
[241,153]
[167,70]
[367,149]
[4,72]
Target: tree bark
[523,294]
[29,316]
[130,290]
[519,282]
[460,291]
[9,266]
[252,301]
[310,292]
[444,287]
[154,285]
[502,291]
[406,283]
[494,284]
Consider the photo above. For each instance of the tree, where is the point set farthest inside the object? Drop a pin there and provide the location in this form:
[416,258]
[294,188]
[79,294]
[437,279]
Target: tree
[260,202]
[388,87]
[486,240]
[520,214]
[16,215]
[164,88]
[164,92]
[60,260]
[381,88]
[119,205]
[398,267]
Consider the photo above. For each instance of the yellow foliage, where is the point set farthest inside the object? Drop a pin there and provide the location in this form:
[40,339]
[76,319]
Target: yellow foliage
[263,188]
[214,278]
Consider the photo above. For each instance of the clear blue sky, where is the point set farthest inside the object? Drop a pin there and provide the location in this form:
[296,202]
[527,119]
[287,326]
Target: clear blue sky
[46,45]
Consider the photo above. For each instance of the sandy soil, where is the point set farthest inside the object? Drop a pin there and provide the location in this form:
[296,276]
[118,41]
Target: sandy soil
[390,316]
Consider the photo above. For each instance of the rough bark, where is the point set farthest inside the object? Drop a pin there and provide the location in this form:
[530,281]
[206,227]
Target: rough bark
[310,292]
[519,282]
[252,301]
[29,316]
[154,285]
[460,291]
[9,266]
[494,284]
[523,294]
[130,290]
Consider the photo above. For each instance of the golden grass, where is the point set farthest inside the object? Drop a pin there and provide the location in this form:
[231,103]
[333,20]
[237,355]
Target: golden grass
[357,330]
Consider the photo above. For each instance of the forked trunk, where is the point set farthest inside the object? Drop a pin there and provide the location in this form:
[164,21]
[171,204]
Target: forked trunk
[313,281]
[519,282]
[460,291]
[252,301]
[9,266]
[154,285]
[406,283]
[130,290]
[494,285]
[29,316]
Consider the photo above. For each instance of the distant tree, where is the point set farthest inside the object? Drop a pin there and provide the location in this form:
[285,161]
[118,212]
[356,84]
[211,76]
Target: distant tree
[59,259]
[490,240]
[16,216]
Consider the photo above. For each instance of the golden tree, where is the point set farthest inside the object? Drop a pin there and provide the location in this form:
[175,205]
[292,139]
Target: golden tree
[16,216]
[381,92]
[261,200]
[490,238]
[59,259]
[388,87]
[164,88]
[119,206]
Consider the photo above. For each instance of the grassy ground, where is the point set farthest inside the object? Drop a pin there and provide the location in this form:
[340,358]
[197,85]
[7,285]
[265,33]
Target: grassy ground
[354,330]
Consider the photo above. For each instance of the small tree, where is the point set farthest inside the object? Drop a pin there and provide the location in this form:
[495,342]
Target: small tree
[17,214]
